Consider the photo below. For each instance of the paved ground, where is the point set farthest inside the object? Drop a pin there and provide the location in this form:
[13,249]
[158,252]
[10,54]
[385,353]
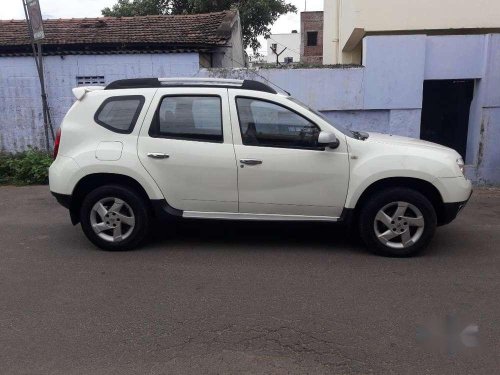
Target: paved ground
[241,297]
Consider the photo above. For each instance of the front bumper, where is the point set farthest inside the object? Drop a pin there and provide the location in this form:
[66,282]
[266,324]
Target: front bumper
[450,211]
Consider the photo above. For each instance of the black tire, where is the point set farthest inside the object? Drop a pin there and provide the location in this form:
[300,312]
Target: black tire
[139,210]
[380,200]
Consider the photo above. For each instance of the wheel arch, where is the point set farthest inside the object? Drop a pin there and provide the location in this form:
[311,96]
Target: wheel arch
[424,187]
[92,181]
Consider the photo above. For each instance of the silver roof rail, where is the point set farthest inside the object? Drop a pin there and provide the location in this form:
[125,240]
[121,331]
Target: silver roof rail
[200,82]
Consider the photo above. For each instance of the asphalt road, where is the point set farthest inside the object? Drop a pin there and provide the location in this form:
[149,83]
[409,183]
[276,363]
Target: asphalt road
[223,297]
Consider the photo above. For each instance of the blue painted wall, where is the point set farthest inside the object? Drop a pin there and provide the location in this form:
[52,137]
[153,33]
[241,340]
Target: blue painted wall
[385,95]
[21,121]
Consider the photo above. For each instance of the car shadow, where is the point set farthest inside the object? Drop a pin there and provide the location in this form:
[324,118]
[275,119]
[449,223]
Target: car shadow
[310,235]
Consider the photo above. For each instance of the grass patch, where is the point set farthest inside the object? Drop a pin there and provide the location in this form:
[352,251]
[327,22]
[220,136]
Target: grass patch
[30,167]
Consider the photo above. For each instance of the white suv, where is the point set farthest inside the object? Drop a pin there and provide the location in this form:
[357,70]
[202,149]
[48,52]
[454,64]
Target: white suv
[145,149]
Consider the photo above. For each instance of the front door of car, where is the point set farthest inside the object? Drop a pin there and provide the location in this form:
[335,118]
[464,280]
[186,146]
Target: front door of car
[186,145]
[282,170]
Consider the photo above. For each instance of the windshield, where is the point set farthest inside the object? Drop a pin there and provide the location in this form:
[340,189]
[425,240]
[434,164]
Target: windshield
[318,113]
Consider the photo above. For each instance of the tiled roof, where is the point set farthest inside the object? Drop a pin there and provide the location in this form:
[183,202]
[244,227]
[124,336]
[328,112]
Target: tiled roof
[197,30]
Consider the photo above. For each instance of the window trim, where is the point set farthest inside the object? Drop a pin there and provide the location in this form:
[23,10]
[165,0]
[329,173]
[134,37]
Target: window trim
[319,148]
[119,98]
[154,128]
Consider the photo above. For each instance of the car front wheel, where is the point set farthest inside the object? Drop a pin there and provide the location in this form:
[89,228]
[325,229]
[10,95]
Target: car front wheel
[114,218]
[398,222]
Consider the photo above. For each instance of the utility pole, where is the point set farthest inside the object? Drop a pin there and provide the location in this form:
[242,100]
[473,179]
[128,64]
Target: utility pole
[36,34]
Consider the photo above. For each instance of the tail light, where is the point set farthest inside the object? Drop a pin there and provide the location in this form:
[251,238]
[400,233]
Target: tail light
[57,142]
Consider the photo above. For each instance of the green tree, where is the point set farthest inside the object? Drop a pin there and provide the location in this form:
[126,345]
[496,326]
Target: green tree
[256,15]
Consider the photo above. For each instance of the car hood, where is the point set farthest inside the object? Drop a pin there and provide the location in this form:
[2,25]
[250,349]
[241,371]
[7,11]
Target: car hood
[406,141]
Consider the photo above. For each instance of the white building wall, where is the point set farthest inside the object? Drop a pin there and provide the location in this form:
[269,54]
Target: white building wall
[21,120]
[384,15]
[343,17]
[291,41]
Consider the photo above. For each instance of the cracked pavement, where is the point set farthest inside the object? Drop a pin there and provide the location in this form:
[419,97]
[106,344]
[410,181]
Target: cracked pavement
[225,298]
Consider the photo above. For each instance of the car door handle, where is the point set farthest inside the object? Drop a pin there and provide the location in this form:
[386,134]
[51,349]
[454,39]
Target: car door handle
[250,161]
[158,155]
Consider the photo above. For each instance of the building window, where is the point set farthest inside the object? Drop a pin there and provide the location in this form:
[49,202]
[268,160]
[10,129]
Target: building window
[90,80]
[312,38]
[288,60]
[274,46]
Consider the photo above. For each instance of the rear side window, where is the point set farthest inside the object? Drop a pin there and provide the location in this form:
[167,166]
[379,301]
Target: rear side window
[195,118]
[120,113]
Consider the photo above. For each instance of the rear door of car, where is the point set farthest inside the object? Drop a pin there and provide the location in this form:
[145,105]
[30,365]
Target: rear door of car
[186,145]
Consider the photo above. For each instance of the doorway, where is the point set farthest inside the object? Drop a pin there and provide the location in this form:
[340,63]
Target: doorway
[445,113]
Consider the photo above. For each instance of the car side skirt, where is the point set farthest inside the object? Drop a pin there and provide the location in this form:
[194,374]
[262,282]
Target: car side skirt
[248,216]
[163,210]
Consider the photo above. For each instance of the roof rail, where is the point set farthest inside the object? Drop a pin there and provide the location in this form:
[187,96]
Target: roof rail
[200,81]
[138,83]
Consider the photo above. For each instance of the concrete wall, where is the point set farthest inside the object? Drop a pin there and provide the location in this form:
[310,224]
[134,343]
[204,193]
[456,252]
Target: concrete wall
[21,122]
[343,17]
[233,57]
[384,96]
[382,15]
[331,46]
[290,41]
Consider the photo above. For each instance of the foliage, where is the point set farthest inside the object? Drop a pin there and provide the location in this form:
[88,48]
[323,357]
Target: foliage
[26,168]
[256,15]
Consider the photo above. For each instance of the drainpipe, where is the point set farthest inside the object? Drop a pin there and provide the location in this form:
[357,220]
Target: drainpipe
[339,32]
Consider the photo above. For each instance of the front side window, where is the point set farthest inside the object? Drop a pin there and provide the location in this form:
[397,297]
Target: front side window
[120,113]
[197,118]
[268,124]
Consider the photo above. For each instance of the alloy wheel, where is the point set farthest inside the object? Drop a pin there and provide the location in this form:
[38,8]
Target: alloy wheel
[112,219]
[399,225]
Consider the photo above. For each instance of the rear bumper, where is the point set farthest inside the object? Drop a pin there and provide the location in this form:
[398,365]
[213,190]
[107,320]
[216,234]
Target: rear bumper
[63,199]
[66,201]
[451,210]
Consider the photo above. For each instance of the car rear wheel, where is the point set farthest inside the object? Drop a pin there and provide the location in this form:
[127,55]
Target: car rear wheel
[114,218]
[398,222]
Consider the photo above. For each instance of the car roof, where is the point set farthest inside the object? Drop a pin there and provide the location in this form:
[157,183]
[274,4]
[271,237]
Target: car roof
[138,83]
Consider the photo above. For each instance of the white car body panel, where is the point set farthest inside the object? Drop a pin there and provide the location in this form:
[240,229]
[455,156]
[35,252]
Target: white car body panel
[206,179]
[290,181]
[385,156]
[77,145]
[197,176]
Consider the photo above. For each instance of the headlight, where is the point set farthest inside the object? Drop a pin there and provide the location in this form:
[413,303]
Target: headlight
[461,164]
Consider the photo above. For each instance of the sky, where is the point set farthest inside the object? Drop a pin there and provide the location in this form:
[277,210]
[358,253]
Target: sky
[13,9]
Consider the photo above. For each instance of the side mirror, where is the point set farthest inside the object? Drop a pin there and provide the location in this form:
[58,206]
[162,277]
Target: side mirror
[329,139]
